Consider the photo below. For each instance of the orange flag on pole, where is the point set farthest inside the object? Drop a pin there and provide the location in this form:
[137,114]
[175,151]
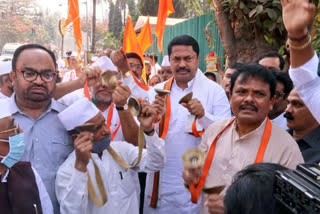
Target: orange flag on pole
[145,37]
[164,10]
[74,16]
[131,44]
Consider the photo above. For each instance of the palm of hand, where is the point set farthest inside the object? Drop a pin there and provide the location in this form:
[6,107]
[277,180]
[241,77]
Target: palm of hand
[297,15]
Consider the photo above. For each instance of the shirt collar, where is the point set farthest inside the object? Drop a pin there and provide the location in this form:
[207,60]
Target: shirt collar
[190,84]
[54,106]
[256,132]
[4,178]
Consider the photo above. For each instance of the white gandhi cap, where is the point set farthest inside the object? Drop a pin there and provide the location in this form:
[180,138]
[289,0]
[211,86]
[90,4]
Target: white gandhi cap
[78,113]
[5,67]
[165,61]
[5,108]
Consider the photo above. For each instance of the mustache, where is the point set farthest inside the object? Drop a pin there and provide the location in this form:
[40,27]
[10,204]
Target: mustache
[243,106]
[38,86]
[182,69]
[288,116]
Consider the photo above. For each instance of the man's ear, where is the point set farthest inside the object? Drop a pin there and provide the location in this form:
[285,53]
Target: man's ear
[272,102]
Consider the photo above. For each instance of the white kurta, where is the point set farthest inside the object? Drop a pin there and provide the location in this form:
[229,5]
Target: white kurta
[71,184]
[173,197]
[70,75]
[307,82]
[2,96]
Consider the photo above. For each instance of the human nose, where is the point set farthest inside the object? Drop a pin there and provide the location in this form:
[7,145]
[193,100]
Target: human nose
[289,108]
[38,79]
[249,97]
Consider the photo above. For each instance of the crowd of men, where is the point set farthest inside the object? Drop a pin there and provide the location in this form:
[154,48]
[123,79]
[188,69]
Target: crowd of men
[78,147]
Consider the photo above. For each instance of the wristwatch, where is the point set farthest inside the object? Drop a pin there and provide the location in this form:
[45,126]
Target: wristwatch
[122,108]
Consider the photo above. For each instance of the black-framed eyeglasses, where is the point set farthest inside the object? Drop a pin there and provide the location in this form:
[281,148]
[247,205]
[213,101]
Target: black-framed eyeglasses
[137,66]
[46,76]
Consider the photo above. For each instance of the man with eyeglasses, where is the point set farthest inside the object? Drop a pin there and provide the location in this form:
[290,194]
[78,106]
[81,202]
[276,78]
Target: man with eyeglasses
[135,64]
[6,88]
[184,127]
[48,144]
[283,89]
[21,188]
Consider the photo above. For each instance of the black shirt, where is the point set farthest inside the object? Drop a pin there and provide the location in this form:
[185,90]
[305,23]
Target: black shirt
[310,146]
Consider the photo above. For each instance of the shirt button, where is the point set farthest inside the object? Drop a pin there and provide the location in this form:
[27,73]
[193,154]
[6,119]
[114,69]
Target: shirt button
[37,139]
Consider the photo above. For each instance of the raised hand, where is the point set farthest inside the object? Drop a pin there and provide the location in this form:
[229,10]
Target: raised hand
[195,107]
[159,105]
[119,59]
[147,116]
[297,15]
[121,94]
[91,74]
[83,148]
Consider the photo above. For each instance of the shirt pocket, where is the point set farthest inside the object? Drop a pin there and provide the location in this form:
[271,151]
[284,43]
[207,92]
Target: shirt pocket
[60,149]
[126,182]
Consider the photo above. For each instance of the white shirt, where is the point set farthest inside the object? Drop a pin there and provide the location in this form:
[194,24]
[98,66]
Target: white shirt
[61,63]
[173,197]
[45,200]
[71,184]
[70,75]
[2,96]
[155,69]
[281,121]
[307,83]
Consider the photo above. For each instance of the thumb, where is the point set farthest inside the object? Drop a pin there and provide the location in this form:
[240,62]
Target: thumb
[184,105]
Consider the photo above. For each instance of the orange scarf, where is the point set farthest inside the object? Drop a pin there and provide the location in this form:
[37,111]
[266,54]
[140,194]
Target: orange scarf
[195,189]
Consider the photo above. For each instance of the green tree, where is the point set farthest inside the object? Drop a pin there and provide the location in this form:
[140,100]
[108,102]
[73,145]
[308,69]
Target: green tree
[117,22]
[110,17]
[133,10]
[249,28]
[150,8]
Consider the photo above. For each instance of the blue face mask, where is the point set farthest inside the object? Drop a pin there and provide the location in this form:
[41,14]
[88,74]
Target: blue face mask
[101,145]
[16,144]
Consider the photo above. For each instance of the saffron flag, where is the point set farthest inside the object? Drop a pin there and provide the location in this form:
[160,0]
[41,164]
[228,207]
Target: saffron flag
[145,37]
[131,44]
[74,16]
[164,10]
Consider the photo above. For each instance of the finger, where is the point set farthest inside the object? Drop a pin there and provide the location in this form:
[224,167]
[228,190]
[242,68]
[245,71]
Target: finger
[184,105]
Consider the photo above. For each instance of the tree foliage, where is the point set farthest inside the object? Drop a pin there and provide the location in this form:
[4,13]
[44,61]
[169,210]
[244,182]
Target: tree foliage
[23,21]
[150,8]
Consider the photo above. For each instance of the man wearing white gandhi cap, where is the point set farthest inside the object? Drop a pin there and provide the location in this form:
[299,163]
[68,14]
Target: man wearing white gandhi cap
[22,189]
[6,88]
[93,179]
[165,71]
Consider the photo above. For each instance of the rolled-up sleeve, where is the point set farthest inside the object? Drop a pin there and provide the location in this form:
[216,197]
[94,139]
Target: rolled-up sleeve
[307,82]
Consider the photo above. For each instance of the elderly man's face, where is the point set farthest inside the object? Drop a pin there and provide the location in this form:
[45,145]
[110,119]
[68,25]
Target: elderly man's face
[251,100]
[184,63]
[38,90]
[298,115]
[101,130]
[166,73]
[74,62]
[6,84]
[102,93]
